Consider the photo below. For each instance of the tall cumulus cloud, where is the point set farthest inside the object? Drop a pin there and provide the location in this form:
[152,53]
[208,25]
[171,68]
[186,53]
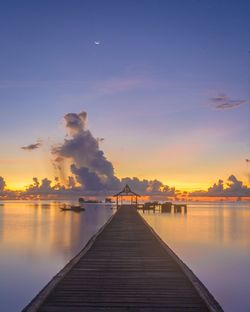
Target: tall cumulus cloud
[92,170]
[89,164]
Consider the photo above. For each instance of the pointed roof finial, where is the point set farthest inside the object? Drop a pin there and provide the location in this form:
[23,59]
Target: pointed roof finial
[126,191]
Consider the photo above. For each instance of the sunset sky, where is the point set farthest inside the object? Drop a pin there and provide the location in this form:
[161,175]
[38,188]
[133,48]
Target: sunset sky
[165,83]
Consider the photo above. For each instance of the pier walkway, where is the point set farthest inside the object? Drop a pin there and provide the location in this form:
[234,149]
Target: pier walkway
[125,267]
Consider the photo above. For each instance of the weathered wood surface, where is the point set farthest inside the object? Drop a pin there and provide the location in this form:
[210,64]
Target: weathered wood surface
[127,268]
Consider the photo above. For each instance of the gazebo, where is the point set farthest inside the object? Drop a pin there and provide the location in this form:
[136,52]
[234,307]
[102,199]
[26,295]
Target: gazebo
[126,191]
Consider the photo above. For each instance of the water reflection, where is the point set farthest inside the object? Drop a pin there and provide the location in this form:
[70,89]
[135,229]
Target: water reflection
[214,240]
[36,240]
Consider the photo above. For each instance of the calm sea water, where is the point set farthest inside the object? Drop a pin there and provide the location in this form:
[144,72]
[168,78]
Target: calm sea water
[213,239]
[37,240]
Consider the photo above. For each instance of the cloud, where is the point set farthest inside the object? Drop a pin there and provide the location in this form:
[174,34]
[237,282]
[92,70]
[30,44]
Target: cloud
[217,188]
[236,187]
[93,174]
[87,178]
[233,187]
[92,185]
[222,101]
[46,187]
[2,184]
[100,140]
[32,147]
[150,187]
[42,188]
[89,165]
[5,193]
[169,191]
[71,183]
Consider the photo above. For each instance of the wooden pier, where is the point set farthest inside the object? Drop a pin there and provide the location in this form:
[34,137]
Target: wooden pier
[166,207]
[125,267]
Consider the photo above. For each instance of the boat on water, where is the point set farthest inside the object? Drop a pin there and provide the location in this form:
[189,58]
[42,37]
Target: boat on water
[72,208]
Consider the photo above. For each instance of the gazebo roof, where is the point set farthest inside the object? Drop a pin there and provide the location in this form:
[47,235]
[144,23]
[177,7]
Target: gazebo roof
[126,191]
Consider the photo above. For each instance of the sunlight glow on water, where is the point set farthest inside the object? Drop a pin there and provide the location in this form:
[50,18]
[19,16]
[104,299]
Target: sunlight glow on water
[213,239]
[37,240]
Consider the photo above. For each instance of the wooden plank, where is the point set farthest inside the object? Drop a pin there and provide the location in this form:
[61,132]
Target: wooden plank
[125,267]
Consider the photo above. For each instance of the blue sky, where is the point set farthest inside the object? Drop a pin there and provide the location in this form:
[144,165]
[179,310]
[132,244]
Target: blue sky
[147,87]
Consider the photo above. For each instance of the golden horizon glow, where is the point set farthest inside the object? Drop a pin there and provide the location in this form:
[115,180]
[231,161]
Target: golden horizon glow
[183,187]
[19,173]
[188,187]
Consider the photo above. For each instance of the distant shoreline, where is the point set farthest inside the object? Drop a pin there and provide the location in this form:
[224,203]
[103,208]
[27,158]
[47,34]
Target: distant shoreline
[145,198]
